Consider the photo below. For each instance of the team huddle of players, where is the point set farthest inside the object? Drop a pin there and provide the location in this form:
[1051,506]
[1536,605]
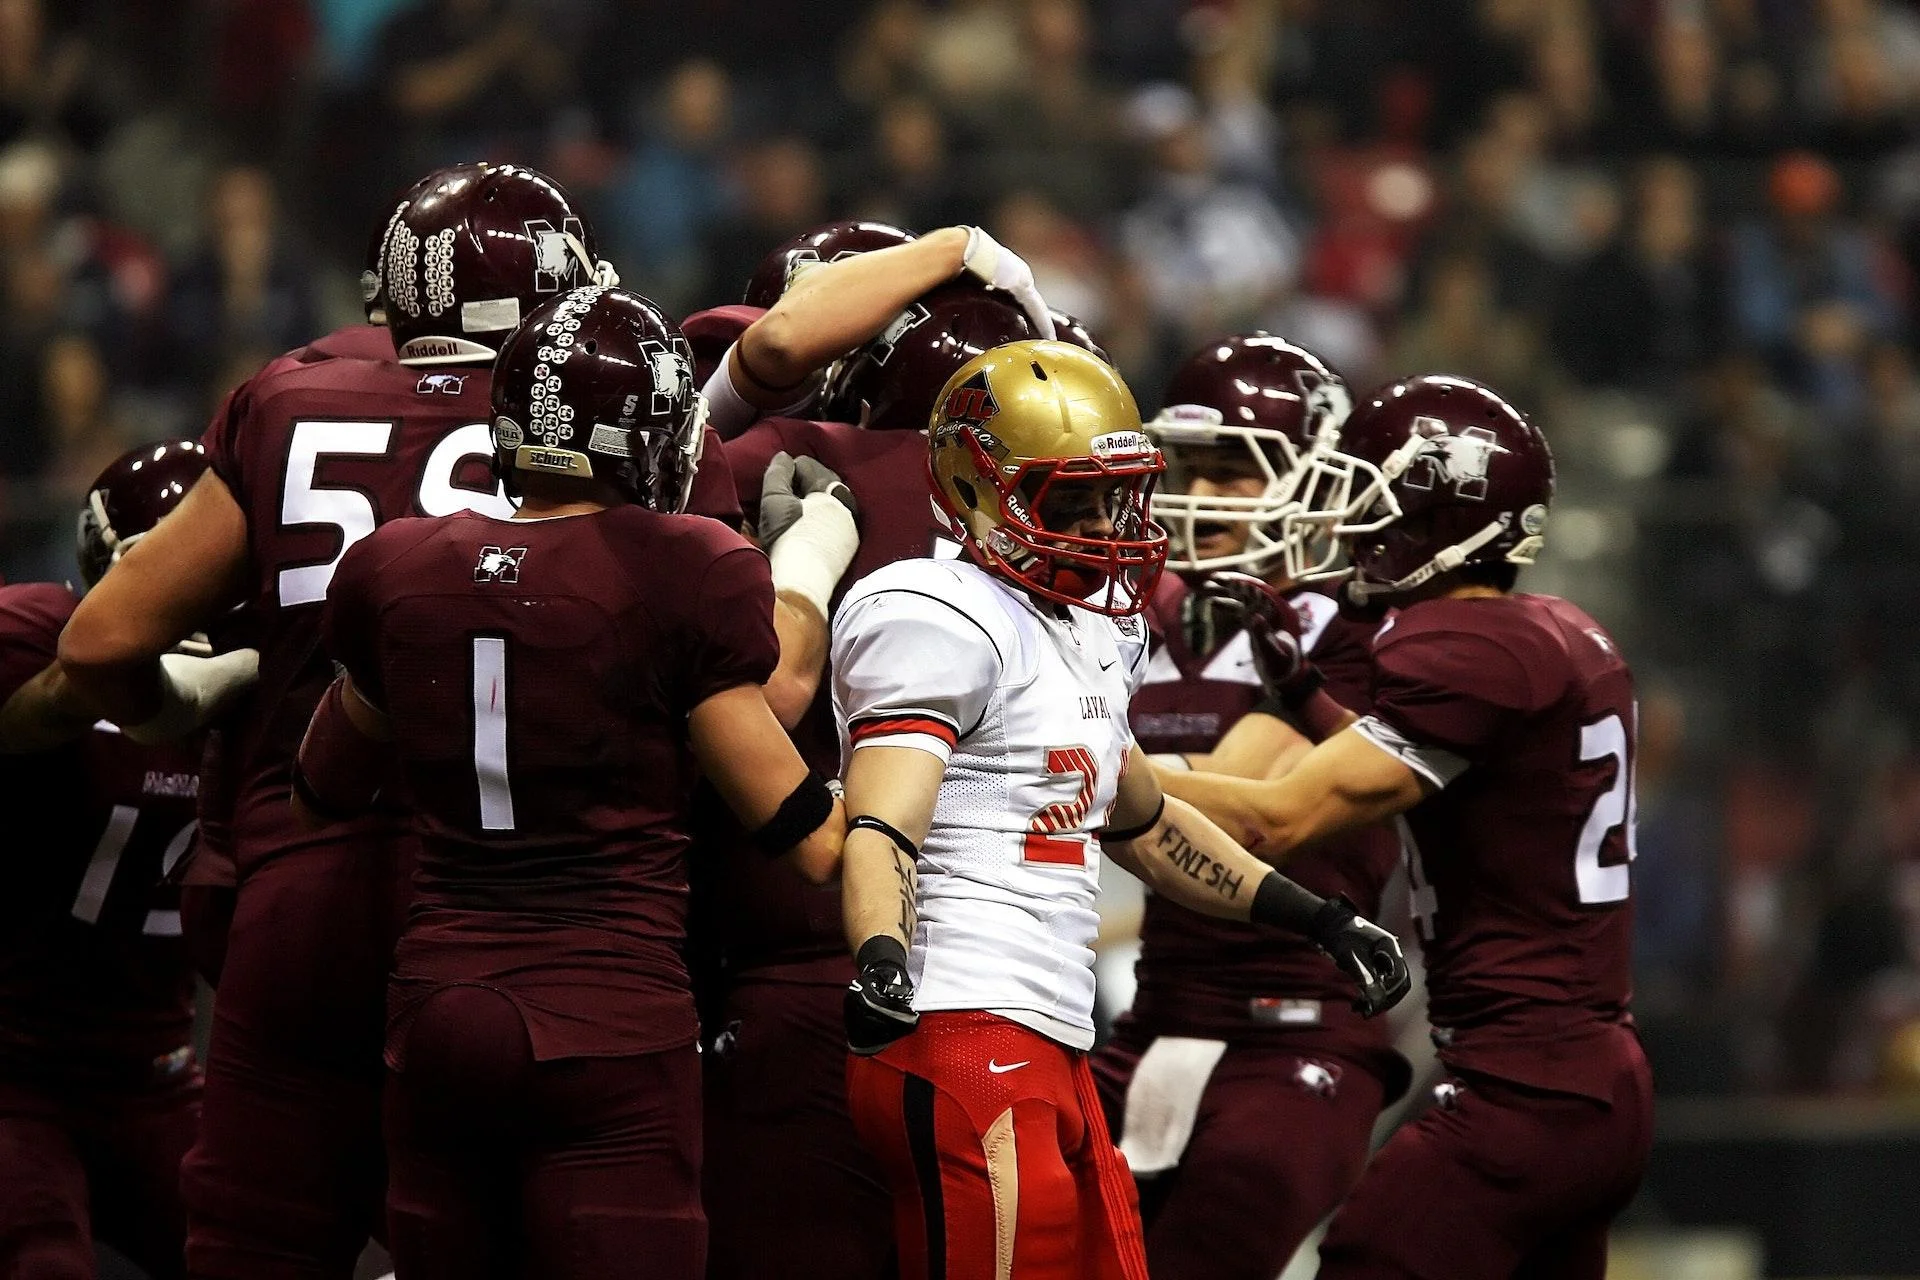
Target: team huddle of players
[630,834]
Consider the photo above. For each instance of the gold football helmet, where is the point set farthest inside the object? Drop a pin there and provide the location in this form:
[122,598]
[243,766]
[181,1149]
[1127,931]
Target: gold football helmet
[1040,468]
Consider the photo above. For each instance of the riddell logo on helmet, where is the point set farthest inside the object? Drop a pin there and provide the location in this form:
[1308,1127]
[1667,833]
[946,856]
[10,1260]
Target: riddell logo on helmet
[1117,444]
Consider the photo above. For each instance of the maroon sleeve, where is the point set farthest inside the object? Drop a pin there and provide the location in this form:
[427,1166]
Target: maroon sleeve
[1345,660]
[348,626]
[732,641]
[748,455]
[222,439]
[714,494]
[1457,690]
[712,331]
[31,616]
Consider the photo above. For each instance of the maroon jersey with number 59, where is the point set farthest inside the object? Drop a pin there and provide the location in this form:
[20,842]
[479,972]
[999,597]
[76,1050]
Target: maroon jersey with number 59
[94,979]
[319,452]
[1520,710]
[538,675]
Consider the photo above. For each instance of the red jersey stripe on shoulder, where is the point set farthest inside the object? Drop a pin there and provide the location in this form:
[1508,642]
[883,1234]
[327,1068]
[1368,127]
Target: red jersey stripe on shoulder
[910,723]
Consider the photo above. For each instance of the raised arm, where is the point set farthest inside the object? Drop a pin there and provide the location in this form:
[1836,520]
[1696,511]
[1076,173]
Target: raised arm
[807,528]
[1183,856]
[835,307]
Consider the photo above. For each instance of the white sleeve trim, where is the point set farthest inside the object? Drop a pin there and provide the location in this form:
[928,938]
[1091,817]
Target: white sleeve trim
[927,742]
[1435,764]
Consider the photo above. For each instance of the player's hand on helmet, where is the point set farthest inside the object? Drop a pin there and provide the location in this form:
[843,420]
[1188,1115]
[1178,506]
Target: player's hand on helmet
[1272,624]
[879,1000]
[991,262]
[1366,953]
[807,527]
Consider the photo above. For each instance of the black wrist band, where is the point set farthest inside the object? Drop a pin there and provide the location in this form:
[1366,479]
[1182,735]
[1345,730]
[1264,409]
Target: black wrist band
[801,814]
[867,822]
[1120,834]
[1279,901]
[881,948]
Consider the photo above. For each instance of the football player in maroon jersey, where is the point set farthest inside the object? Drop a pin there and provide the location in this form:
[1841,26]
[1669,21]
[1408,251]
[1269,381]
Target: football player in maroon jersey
[1500,729]
[99,1096]
[790,1188]
[1242,1034]
[307,458]
[544,685]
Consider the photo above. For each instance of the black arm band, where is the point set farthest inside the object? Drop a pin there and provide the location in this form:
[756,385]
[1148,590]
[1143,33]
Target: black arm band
[867,822]
[881,948]
[1120,835]
[801,814]
[1279,901]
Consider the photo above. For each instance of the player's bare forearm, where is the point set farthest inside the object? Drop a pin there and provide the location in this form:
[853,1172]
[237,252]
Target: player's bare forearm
[898,787]
[171,583]
[752,763]
[835,307]
[803,656]
[1252,746]
[1344,783]
[1191,861]
[44,713]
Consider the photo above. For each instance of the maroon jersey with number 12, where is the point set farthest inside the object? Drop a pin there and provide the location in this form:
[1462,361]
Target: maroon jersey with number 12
[1214,977]
[538,675]
[94,979]
[1522,710]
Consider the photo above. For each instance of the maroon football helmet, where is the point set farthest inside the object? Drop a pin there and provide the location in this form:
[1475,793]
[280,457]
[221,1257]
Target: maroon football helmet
[1450,475]
[830,243]
[1070,329]
[892,383]
[131,496]
[599,383]
[1263,404]
[474,249]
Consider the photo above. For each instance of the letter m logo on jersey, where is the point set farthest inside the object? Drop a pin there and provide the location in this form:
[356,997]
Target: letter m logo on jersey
[1460,460]
[497,565]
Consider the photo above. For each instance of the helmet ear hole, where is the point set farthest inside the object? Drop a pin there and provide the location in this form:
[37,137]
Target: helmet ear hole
[967,493]
[1038,372]
[592,346]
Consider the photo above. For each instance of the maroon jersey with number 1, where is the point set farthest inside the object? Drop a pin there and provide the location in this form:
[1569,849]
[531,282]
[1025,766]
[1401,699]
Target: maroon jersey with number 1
[1214,977]
[538,675]
[94,980]
[1521,709]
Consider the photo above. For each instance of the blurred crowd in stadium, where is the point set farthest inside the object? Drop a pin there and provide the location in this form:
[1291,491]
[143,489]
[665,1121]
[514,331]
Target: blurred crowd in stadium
[1681,233]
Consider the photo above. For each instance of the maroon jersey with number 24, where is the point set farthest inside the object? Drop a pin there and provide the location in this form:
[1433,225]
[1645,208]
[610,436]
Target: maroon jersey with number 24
[1521,710]
[538,675]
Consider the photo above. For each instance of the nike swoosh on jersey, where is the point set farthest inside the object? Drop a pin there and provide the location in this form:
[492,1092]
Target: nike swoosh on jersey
[1108,665]
[999,1070]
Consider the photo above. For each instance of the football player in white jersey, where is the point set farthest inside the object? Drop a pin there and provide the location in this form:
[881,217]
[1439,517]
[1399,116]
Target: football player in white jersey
[983,712]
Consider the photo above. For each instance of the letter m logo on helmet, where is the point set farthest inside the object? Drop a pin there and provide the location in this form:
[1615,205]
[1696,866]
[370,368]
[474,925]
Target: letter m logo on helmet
[1459,460]
[554,268]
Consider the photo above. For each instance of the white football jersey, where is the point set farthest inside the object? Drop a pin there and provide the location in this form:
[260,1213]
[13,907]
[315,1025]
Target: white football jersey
[1027,704]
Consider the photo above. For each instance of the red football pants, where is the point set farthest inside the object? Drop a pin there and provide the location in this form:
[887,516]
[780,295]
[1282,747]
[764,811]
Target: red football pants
[790,1190]
[76,1163]
[1499,1182]
[991,1138]
[287,1178]
[1282,1135]
[572,1169]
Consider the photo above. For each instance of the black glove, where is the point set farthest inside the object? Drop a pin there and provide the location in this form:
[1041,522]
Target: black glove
[879,1001]
[784,489]
[1273,625]
[1365,952]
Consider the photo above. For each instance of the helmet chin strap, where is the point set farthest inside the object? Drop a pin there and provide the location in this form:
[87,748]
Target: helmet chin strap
[1446,562]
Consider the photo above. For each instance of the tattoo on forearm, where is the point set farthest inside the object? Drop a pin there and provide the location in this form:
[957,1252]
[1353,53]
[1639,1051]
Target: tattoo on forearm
[1180,851]
[909,878]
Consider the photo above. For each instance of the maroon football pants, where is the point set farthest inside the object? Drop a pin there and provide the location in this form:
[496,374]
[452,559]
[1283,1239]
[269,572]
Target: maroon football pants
[572,1169]
[288,1178]
[1282,1135]
[1499,1182]
[790,1191]
[79,1163]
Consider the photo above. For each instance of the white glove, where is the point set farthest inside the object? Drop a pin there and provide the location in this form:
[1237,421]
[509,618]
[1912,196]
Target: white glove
[807,527]
[993,263]
[193,691]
